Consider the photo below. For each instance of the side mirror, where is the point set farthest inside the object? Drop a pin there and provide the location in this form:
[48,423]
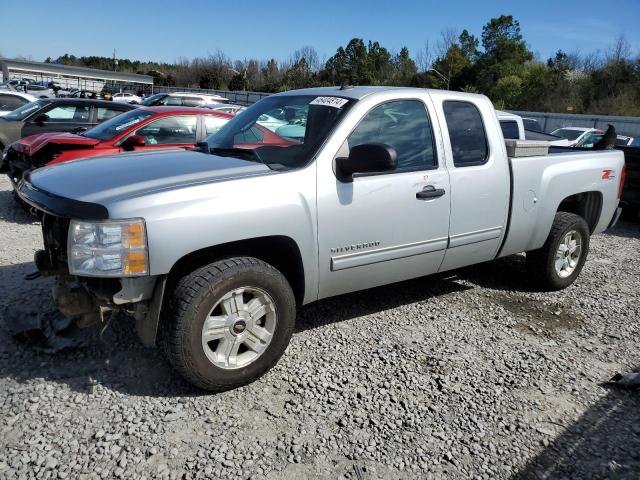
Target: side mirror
[202,147]
[366,158]
[40,119]
[133,141]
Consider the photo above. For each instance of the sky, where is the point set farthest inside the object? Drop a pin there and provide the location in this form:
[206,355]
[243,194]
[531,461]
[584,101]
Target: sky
[163,30]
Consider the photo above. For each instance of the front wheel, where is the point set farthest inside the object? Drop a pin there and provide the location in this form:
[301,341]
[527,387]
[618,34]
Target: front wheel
[228,323]
[558,263]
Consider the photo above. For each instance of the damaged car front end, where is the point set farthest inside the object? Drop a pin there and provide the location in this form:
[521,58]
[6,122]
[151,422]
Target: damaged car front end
[100,265]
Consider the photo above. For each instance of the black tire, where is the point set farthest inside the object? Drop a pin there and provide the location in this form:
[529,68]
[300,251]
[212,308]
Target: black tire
[190,303]
[541,262]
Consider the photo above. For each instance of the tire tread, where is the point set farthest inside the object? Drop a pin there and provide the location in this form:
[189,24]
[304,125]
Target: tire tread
[185,299]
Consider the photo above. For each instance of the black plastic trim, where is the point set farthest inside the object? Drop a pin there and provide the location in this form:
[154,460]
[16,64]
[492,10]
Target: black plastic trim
[53,204]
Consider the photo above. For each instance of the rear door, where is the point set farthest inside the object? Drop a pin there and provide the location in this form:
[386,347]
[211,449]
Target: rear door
[376,229]
[479,176]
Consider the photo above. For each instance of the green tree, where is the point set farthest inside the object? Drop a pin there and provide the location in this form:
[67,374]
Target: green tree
[404,68]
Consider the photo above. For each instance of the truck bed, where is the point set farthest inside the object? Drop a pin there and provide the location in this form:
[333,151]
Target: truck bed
[539,185]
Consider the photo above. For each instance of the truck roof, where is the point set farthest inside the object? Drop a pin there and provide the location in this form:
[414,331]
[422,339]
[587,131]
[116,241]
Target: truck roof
[358,93]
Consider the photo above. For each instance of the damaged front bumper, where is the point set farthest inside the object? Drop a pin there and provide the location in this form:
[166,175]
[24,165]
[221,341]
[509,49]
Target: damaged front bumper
[92,301]
[89,300]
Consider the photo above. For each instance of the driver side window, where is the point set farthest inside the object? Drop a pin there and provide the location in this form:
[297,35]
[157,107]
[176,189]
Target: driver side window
[170,130]
[68,113]
[403,125]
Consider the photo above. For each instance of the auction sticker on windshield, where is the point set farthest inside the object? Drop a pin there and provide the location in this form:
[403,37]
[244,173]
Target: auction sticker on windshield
[129,123]
[335,102]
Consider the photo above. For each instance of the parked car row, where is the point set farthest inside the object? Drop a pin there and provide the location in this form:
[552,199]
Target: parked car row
[140,129]
[56,115]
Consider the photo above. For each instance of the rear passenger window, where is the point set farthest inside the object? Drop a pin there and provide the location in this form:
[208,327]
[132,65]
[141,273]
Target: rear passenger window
[509,129]
[212,124]
[466,133]
[105,113]
[192,102]
[403,125]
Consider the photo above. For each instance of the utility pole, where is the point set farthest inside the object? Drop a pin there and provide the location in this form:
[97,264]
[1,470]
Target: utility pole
[446,80]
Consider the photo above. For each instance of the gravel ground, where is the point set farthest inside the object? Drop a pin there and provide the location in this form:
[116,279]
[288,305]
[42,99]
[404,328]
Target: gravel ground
[465,375]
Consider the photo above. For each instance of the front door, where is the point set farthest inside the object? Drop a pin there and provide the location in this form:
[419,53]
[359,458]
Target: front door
[384,228]
[58,118]
[169,132]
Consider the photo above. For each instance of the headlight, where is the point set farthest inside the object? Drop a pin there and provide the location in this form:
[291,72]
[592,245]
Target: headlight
[114,248]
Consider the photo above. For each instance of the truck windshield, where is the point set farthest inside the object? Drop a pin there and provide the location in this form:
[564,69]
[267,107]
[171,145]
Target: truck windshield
[118,125]
[282,131]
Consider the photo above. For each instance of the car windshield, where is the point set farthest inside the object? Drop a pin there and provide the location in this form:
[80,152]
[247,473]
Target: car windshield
[117,125]
[25,110]
[590,139]
[282,131]
[149,101]
[567,133]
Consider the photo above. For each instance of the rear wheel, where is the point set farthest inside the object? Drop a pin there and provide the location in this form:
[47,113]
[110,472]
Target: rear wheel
[228,323]
[558,263]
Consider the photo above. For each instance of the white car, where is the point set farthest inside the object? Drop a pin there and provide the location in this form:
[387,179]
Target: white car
[272,123]
[232,109]
[183,99]
[9,101]
[513,127]
[574,135]
[589,140]
[126,97]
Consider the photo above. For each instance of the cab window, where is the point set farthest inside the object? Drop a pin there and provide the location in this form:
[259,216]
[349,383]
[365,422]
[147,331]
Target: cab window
[403,125]
[466,133]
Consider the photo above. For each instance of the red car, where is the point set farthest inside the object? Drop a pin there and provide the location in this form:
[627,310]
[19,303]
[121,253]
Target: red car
[144,128]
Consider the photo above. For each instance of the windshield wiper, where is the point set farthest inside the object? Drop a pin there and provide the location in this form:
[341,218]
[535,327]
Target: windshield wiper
[244,153]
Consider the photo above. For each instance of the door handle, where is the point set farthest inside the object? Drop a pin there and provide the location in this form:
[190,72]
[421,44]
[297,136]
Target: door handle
[429,192]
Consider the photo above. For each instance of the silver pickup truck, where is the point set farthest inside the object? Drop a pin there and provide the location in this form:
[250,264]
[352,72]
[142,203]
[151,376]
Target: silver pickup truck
[212,251]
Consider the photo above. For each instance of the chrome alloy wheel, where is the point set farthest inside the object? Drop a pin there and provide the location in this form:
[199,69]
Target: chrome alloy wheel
[239,328]
[568,254]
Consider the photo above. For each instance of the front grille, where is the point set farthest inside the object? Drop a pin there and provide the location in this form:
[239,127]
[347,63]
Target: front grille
[54,233]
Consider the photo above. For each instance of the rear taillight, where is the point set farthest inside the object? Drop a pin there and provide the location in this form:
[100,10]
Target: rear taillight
[623,174]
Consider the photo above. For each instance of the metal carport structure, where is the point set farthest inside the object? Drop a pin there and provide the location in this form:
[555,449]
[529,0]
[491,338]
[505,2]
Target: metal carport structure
[72,76]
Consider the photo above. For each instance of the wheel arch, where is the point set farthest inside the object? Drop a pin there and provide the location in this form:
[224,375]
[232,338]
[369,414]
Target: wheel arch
[281,252]
[587,205]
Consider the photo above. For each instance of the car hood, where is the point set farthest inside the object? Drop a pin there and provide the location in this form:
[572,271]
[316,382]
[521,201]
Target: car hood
[108,179]
[31,144]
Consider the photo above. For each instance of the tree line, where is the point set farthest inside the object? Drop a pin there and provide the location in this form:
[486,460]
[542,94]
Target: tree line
[498,63]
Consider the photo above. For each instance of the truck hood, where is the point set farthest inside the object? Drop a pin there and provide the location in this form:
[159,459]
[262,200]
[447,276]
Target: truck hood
[104,180]
[31,144]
